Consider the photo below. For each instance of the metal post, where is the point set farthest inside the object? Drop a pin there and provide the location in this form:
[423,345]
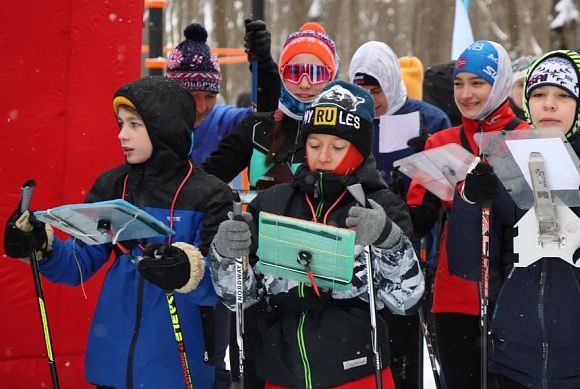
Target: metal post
[156,62]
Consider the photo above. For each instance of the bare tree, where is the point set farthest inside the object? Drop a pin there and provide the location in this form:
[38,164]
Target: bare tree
[422,28]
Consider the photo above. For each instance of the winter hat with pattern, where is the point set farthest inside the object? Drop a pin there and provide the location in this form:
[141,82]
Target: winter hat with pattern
[192,63]
[554,71]
[311,39]
[345,110]
[560,68]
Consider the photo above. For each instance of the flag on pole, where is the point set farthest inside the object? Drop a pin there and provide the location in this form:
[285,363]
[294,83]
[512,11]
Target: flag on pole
[462,34]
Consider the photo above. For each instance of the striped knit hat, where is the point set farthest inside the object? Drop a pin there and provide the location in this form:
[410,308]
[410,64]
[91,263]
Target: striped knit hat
[311,39]
[560,68]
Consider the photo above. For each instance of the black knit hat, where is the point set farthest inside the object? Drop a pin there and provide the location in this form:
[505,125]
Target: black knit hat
[192,63]
[345,110]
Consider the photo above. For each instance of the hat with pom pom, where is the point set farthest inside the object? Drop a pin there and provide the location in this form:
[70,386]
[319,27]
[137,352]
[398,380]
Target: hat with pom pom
[192,63]
[311,39]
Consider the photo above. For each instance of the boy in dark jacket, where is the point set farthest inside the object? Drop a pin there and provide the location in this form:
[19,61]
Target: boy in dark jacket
[534,324]
[333,328]
[131,341]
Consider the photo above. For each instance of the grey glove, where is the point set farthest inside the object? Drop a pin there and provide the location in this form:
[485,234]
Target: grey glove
[370,224]
[233,237]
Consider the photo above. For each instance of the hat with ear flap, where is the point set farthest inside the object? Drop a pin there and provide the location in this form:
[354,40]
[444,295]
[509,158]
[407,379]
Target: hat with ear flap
[344,110]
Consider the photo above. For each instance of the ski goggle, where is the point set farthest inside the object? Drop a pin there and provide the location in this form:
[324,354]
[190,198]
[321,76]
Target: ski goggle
[316,74]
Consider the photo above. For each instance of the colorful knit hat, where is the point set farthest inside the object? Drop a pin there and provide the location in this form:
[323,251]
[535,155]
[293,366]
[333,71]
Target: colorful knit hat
[490,61]
[310,39]
[480,58]
[192,63]
[412,73]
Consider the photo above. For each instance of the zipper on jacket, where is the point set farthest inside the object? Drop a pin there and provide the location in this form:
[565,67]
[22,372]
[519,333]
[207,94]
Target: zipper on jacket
[545,349]
[302,344]
[135,332]
[497,304]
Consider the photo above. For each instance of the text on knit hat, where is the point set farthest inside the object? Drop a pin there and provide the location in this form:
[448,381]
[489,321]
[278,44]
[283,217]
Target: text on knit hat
[344,110]
[480,58]
[192,63]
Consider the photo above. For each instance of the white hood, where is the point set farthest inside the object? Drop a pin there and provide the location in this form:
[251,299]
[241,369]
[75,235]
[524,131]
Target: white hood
[377,59]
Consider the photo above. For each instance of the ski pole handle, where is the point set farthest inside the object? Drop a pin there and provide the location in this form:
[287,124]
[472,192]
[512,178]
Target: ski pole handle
[357,191]
[26,195]
[237,210]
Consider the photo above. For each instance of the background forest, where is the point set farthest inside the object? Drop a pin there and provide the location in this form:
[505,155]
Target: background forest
[421,28]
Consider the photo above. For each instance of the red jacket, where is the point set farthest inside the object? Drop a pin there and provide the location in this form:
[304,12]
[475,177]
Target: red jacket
[451,293]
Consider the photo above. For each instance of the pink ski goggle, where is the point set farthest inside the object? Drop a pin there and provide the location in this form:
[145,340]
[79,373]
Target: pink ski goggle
[316,74]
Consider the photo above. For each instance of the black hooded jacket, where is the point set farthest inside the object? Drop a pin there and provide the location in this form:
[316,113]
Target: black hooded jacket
[132,340]
[319,342]
[154,183]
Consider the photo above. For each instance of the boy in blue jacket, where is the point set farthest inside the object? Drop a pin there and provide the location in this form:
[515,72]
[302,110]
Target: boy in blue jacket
[131,341]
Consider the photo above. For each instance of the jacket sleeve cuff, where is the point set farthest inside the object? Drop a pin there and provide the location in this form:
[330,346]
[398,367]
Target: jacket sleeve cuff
[196,266]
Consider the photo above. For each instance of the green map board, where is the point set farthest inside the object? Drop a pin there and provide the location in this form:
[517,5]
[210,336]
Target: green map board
[282,238]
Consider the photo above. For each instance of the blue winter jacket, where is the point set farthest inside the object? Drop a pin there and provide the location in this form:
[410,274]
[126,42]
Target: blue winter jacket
[213,128]
[131,341]
[222,118]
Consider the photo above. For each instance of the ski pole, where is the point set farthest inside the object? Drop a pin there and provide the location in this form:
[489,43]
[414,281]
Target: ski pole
[26,195]
[484,288]
[179,339]
[357,192]
[175,323]
[254,85]
[424,327]
[237,215]
[430,350]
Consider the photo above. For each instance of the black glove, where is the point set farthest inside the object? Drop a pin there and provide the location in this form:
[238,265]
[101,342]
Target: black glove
[166,266]
[418,142]
[481,184]
[21,230]
[258,41]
